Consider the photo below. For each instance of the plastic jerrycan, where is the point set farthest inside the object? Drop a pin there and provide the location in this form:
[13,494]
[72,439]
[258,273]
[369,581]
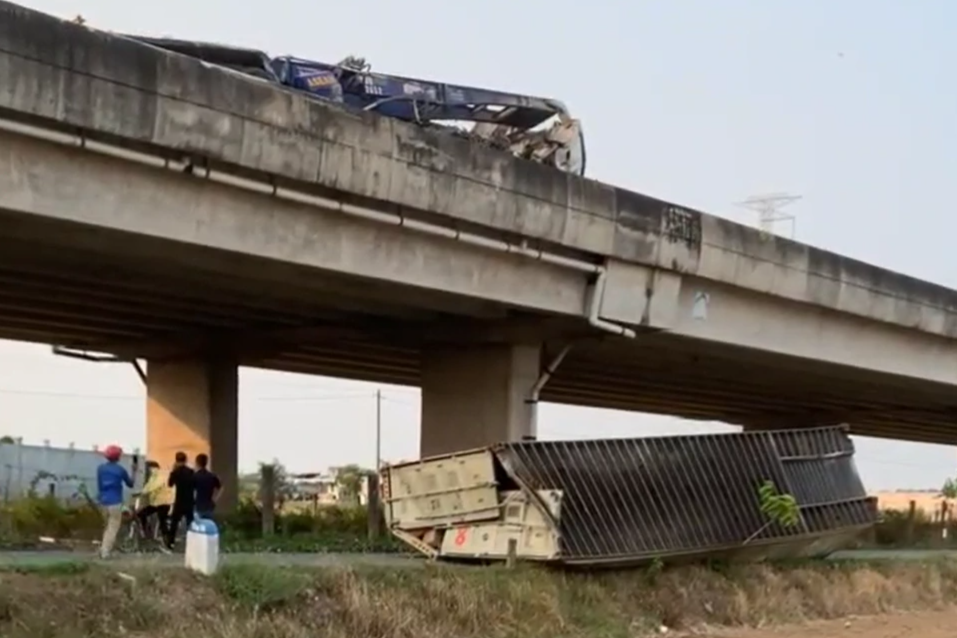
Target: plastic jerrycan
[202,546]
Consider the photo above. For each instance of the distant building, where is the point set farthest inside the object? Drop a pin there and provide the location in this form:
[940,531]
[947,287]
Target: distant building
[323,488]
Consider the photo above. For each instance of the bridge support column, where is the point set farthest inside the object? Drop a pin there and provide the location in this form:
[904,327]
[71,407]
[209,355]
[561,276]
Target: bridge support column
[477,395]
[192,406]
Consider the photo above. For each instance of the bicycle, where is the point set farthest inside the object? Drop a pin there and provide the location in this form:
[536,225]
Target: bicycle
[133,538]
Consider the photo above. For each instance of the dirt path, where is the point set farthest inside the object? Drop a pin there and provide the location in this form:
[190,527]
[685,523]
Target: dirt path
[939,624]
[46,557]
[39,559]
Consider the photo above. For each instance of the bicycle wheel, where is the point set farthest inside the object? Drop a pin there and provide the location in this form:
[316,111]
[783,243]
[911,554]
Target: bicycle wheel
[128,538]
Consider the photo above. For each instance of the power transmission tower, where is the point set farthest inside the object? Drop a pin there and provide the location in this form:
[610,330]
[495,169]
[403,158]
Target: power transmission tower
[768,207]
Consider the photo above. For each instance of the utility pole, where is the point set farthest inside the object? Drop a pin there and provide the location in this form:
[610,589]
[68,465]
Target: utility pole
[768,208]
[378,430]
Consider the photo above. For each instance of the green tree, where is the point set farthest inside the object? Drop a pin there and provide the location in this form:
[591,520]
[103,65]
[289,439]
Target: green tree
[778,507]
[349,479]
[949,489]
[283,487]
[7,439]
[285,490]
[249,486]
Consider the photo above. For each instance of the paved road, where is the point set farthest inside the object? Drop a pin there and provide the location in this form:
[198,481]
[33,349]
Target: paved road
[52,557]
[894,554]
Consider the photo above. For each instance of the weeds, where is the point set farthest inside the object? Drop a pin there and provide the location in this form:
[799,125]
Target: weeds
[58,568]
[310,543]
[261,589]
[328,529]
[438,602]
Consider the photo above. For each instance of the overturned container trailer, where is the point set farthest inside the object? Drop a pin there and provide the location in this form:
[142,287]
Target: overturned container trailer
[628,501]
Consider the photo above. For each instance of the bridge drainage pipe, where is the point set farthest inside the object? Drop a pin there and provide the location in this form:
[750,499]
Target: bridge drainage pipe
[536,393]
[157,160]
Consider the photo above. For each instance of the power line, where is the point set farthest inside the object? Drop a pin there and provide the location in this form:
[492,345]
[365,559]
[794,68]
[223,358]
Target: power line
[70,395]
[131,397]
[311,398]
[312,387]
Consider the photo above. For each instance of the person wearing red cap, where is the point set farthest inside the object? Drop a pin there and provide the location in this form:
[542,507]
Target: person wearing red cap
[110,479]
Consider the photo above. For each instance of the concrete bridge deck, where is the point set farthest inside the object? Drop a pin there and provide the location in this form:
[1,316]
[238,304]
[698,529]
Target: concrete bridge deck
[206,210]
[113,88]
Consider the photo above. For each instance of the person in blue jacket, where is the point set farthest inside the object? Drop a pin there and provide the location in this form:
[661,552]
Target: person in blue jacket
[110,479]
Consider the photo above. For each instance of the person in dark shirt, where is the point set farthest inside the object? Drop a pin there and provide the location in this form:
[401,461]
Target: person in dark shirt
[208,488]
[181,479]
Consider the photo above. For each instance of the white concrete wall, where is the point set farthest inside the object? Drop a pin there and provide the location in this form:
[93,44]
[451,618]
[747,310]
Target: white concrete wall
[63,472]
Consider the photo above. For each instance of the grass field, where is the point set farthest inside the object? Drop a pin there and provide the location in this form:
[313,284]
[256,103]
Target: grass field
[252,601]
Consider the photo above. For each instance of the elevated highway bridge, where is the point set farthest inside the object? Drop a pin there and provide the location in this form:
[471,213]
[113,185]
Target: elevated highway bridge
[155,207]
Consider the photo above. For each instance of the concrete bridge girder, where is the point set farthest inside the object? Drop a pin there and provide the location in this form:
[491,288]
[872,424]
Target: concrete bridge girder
[43,181]
[75,186]
[54,182]
[689,306]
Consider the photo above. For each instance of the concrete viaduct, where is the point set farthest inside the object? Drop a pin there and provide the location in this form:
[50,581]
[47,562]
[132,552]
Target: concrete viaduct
[152,206]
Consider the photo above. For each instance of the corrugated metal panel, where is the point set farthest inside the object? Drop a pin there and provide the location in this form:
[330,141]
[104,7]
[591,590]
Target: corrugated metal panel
[629,498]
[820,472]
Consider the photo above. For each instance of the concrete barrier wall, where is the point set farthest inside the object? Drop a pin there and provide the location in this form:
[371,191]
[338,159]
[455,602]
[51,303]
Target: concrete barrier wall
[61,472]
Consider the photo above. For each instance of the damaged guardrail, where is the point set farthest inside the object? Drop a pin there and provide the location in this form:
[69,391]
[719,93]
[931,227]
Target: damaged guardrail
[533,128]
[630,501]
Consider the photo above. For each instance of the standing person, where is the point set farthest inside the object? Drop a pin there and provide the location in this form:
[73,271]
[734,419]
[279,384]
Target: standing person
[158,500]
[110,479]
[181,479]
[208,487]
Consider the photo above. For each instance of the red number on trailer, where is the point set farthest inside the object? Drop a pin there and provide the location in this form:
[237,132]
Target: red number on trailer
[460,536]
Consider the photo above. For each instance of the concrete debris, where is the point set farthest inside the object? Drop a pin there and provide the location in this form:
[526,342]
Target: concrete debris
[559,145]
[127,577]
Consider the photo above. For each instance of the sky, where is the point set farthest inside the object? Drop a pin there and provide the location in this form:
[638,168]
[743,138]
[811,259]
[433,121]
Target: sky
[850,104]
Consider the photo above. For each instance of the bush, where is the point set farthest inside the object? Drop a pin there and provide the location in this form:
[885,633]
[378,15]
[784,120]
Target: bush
[259,601]
[333,529]
[246,521]
[306,530]
[35,516]
[328,529]
[892,530]
[311,543]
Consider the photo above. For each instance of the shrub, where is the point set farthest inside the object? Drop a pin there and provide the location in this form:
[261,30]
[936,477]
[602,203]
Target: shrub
[892,530]
[34,516]
[23,521]
[259,601]
[246,521]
